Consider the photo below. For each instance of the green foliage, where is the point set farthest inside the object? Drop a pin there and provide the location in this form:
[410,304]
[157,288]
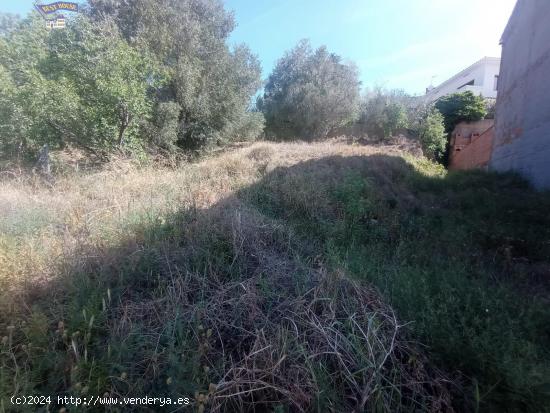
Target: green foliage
[163,129]
[459,107]
[383,112]
[211,83]
[83,86]
[309,93]
[248,127]
[8,23]
[431,133]
[22,93]
[113,94]
[458,259]
[491,107]
[117,79]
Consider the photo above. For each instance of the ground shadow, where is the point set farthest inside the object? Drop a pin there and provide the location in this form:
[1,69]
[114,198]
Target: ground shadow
[244,306]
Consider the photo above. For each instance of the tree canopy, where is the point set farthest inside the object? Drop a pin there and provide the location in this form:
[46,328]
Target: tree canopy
[84,86]
[458,107]
[211,83]
[309,93]
[383,112]
[143,74]
[129,75]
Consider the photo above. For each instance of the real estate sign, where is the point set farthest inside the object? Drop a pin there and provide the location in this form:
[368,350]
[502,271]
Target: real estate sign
[57,6]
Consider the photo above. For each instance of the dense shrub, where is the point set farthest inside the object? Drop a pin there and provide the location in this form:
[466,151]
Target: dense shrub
[460,107]
[163,130]
[383,112]
[212,84]
[248,127]
[431,133]
[309,93]
[84,86]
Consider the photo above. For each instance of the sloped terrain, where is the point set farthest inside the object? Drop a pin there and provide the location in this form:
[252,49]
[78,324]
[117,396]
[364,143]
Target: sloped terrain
[279,277]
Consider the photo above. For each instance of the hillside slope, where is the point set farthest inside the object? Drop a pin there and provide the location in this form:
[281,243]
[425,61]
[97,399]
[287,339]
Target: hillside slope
[279,277]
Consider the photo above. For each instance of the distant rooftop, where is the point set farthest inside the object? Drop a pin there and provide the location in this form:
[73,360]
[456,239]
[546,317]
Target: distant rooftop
[481,61]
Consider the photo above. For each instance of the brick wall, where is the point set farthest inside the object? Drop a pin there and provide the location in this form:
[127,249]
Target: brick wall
[471,145]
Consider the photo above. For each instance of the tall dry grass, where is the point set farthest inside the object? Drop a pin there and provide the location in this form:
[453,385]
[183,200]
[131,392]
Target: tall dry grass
[41,224]
[160,281]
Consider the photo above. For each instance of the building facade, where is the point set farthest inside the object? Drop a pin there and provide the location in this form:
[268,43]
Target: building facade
[522,120]
[481,78]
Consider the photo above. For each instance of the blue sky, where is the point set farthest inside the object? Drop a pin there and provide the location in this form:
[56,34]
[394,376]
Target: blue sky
[395,43]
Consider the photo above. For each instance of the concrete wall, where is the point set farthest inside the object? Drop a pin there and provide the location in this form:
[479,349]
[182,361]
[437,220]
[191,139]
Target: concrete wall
[522,124]
[482,73]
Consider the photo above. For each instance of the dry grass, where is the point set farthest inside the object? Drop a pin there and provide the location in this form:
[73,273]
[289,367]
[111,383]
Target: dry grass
[235,280]
[44,223]
[126,279]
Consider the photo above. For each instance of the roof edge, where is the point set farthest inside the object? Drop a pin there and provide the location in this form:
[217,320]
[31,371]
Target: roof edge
[509,26]
[478,62]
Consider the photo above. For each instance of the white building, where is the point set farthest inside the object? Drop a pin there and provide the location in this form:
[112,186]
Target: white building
[481,78]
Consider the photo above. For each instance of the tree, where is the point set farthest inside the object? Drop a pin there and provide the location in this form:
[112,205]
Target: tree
[459,107]
[84,86]
[8,23]
[163,129]
[383,112]
[110,78]
[24,91]
[431,133]
[210,83]
[309,93]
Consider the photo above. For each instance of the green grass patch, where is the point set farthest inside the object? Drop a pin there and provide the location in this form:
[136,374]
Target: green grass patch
[463,256]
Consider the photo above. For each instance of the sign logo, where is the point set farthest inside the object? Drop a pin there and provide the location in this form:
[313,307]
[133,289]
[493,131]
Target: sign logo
[45,9]
[50,13]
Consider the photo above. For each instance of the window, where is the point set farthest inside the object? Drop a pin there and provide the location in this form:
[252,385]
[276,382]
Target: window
[470,83]
[495,83]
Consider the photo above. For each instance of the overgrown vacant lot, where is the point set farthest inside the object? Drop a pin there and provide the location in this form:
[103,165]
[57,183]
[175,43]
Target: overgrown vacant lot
[279,277]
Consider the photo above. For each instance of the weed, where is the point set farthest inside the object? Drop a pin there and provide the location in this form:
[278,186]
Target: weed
[230,281]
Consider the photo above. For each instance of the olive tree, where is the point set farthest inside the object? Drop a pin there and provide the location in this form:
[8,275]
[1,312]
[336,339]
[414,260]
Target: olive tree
[309,93]
[8,23]
[211,83]
[83,86]
[383,112]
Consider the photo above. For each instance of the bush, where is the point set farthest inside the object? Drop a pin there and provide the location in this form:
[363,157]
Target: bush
[460,107]
[310,93]
[163,130]
[431,133]
[84,86]
[211,82]
[382,113]
[249,127]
